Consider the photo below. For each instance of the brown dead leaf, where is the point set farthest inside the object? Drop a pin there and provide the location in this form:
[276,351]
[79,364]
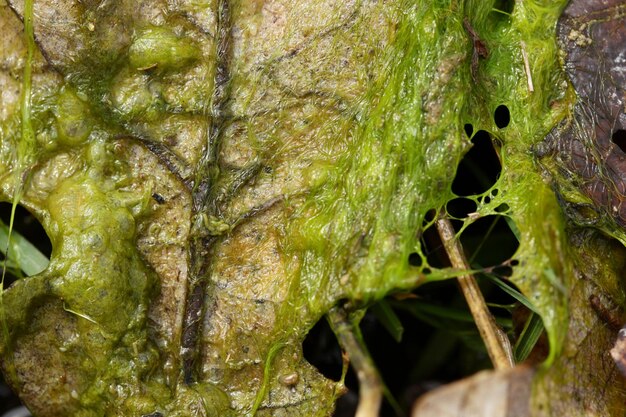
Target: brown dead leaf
[486,394]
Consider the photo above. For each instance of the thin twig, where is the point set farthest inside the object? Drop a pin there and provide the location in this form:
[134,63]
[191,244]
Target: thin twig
[496,341]
[529,76]
[370,383]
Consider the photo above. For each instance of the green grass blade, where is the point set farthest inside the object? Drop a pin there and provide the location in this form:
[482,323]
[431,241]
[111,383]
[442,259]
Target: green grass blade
[484,239]
[529,337]
[554,280]
[512,292]
[388,318]
[21,252]
[513,227]
[441,317]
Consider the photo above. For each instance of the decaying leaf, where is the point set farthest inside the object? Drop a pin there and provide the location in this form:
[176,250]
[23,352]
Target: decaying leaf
[216,176]
[486,394]
[585,152]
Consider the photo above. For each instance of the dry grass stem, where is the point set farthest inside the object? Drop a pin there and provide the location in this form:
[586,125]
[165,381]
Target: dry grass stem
[496,341]
[529,76]
[370,384]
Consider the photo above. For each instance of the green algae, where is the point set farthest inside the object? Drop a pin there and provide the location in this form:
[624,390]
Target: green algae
[384,152]
[161,48]
[73,120]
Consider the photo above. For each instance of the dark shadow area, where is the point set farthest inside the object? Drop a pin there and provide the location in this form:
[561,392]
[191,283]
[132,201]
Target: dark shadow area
[619,138]
[460,208]
[415,259]
[479,169]
[502,116]
[505,6]
[501,11]
[502,208]
[423,360]
[321,349]
[432,247]
[8,401]
[440,343]
[489,241]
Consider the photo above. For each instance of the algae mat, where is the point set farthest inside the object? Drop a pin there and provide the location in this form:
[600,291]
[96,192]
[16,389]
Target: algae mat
[216,176]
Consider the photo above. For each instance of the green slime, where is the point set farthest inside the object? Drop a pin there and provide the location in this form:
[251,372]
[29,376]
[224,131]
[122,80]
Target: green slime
[391,153]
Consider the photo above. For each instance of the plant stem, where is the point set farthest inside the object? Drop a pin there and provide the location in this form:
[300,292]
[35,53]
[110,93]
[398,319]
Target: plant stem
[204,204]
[370,384]
[496,341]
[529,77]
